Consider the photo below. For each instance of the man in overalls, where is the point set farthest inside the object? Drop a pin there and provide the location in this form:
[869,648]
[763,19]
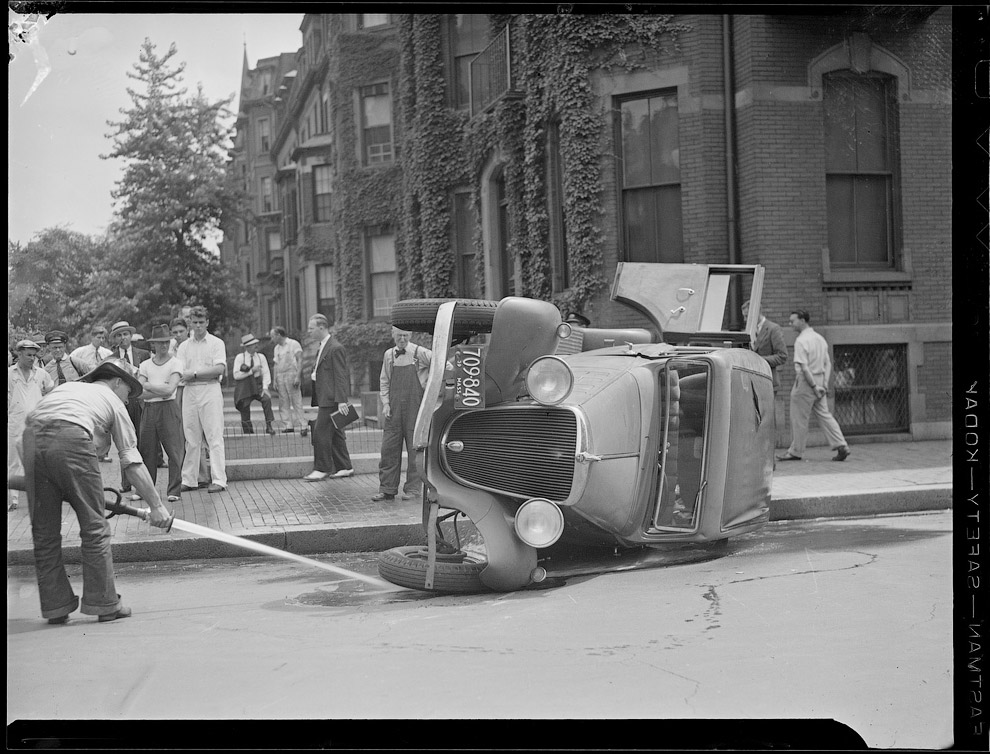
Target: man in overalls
[405,370]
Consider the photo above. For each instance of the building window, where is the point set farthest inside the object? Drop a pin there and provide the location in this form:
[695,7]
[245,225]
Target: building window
[383,279]
[264,135]
[371,20]
[324,106]
[326,286]
[321,193]
[465,221]
[861,154]
[267,197]
[469,36]
[651,179]
[871,390]
[555,199]
[266,83]
[273,238]
[376,123]
[289,214]
[503,242]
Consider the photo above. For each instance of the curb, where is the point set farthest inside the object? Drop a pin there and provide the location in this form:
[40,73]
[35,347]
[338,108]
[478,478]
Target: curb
[312,540]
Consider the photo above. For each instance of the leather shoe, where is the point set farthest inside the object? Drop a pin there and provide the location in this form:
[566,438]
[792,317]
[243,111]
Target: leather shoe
[315,476]
[187,488]
[841,454]
[59,621]
[303,432]
[123,612]
[342,473]
[409,495]
[215,488]
[269,431]
[173,498]
[788,457]
[382,496]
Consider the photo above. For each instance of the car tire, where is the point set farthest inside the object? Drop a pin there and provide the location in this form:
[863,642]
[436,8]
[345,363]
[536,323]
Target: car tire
[454,574]
[472,315]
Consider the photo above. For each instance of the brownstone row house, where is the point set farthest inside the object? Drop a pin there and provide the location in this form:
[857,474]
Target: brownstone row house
[484,155]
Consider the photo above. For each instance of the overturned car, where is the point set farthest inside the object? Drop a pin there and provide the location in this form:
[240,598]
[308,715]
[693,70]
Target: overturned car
[550,433]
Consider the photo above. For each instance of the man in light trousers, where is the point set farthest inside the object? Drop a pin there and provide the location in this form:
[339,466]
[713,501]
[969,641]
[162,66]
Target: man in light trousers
[287,377]
[204,359]
[813,370]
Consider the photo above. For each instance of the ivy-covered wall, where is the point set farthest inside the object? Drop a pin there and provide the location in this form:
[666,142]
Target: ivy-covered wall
[552,59]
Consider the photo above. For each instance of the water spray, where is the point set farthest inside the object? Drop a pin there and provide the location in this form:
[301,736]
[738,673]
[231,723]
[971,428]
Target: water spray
[117,507]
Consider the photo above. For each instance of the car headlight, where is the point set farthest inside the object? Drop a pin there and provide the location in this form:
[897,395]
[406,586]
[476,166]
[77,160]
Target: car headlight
[549,380]
[539,523]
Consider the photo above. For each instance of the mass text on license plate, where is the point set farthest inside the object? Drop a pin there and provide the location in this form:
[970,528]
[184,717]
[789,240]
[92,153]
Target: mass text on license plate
[469,377]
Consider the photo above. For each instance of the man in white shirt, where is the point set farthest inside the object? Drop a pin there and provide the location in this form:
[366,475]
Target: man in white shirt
[96,351]
[252,379]
[287,367]
[813,369]
[61,367]
[204,361]
[26,384]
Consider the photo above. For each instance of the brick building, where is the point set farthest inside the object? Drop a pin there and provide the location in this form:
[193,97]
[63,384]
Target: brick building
[483,155]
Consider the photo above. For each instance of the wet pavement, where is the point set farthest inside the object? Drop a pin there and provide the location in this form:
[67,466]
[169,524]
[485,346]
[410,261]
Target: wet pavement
[338,515]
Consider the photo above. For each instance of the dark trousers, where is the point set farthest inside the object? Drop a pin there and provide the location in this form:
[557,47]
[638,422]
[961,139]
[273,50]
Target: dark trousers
[329,444]
[244,406]
[161,426]
[61,463]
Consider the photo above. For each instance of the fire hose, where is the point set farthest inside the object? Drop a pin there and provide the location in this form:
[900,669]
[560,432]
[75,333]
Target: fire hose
[114,508]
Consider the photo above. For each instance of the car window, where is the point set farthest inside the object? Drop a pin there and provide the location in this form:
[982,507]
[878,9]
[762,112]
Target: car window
[681,463]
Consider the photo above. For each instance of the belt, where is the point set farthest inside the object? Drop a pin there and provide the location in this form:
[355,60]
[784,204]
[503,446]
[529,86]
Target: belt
[158,400]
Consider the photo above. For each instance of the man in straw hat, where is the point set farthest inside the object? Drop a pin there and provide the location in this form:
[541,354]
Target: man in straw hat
[252,380]
[161,419]
[65,436]
[26,384]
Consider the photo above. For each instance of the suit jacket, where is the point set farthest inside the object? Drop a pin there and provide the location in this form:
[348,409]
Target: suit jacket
[139,355]
[770,345]
[333,378]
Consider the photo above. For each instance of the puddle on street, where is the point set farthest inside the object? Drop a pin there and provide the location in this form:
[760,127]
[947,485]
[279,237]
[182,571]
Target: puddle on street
[354,593]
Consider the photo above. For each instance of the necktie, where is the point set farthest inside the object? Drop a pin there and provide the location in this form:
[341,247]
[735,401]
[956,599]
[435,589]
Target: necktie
[61,375]
[399,351]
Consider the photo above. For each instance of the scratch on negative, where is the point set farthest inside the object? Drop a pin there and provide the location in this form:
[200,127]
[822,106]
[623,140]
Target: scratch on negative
[814,575]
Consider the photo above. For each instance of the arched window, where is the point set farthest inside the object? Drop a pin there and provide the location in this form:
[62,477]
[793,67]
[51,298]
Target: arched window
[861,176]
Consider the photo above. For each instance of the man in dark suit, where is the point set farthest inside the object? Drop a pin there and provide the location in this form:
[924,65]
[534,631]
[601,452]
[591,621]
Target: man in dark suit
[120,338]
[331,390]
[769,343]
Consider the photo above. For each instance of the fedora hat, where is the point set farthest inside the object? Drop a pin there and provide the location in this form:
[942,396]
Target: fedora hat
[107,370]
[121,327]
[249,340]
[56,336]
[160,334]
[26,343]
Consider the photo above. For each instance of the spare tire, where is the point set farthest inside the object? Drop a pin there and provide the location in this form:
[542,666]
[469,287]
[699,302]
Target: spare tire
[454,574]
[472,315]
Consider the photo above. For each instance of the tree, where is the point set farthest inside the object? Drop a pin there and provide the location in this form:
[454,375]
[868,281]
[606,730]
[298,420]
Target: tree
[170,202]
[50,281]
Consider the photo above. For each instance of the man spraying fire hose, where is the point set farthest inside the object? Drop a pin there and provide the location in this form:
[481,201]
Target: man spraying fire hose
[65,436]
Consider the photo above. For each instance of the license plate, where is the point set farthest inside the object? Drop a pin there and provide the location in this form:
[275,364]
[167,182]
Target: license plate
[469,377]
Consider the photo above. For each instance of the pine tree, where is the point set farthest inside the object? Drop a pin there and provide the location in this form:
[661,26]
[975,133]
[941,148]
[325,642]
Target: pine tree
[170,200]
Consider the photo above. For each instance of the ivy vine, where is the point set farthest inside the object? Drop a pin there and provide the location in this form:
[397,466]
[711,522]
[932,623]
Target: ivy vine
[556,54]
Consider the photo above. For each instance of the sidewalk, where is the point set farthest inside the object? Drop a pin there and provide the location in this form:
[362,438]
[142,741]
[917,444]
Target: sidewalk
[339,515]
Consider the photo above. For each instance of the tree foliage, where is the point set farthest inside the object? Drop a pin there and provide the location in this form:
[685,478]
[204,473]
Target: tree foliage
[50,279]
[170,202]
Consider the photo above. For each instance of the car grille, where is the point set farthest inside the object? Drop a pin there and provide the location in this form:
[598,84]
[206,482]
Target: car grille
[524,451]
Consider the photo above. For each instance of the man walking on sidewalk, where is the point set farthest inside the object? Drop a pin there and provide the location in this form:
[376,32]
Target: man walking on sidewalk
[287,368]
[813,369]
[331,390]
[204,359]
[405,370]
